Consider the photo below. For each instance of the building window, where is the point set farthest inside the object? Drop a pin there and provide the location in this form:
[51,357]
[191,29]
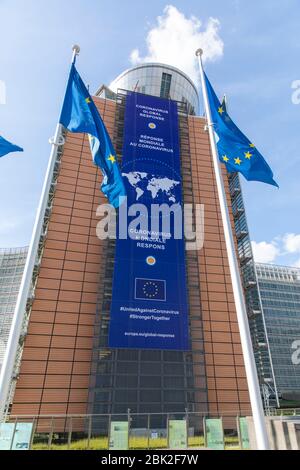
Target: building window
[165,85]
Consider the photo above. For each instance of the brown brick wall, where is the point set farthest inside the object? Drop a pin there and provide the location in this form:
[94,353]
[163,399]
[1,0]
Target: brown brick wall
[226,382]
[55,367]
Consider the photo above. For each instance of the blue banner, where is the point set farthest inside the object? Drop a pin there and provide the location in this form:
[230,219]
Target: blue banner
[149,308]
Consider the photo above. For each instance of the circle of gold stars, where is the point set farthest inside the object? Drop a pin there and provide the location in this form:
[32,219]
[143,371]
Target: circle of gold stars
[248,155]
[150,289]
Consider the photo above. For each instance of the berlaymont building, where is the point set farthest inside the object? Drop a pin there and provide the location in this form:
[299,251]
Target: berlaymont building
[73,359]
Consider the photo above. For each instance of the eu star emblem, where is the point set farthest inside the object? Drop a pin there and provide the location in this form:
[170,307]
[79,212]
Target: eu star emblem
[150,289]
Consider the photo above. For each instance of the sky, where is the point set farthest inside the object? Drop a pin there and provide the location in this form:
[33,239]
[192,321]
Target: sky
[252,54]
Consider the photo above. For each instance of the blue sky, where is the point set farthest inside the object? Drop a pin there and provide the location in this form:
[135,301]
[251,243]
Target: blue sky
[256,68]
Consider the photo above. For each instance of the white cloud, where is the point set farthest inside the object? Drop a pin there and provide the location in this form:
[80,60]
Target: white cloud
[291,242]
[265,252]
[175,38]
[286,247]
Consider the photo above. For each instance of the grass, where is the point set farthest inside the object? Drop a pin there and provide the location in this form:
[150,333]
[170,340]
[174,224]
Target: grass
[101,443]
[96,443]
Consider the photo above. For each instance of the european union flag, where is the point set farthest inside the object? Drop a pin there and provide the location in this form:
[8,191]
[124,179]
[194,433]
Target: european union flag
[234,148]
[7,147]
[150,289]
[79,114]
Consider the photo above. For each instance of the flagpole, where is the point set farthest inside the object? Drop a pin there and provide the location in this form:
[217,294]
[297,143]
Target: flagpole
[250,366]
[11,351]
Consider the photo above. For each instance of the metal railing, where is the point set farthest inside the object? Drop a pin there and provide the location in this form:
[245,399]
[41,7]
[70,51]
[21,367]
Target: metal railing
[146,431]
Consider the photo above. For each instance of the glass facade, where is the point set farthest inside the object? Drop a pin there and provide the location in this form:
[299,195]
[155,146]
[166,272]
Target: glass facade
[165,85]
[157,80]
[12,262]
[280,295]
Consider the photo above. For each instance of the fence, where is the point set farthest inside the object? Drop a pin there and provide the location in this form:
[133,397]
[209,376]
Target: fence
[285,412]
[145,431]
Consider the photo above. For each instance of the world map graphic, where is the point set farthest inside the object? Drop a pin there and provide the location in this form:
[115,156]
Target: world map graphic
[155,185]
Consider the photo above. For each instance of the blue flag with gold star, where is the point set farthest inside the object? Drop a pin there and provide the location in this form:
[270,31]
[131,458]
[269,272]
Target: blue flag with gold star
[7,147]
[79,114]
[234,148]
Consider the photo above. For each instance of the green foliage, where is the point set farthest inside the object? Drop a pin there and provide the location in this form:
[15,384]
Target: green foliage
[98,443]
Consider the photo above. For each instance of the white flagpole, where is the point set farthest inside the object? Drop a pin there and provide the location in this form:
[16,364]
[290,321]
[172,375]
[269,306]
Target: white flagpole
[252,379]
[7,369]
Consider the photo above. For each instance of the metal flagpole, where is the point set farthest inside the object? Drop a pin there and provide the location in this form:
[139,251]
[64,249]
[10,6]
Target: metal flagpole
[252,379]
[20,309]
